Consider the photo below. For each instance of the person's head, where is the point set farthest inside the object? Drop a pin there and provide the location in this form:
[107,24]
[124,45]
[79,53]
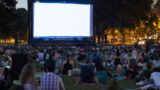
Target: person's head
[28,71]
[17,87]
[114,86]
[50,66]
[53,55]
[68,57]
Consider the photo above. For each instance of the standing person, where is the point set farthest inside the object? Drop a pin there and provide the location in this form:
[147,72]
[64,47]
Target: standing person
[27,77]
[51,81]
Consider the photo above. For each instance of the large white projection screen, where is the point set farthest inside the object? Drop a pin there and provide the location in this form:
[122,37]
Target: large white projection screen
[62,20]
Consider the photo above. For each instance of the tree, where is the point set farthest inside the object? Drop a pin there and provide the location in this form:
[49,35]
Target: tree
[20,24]
[7,8]
[121,14]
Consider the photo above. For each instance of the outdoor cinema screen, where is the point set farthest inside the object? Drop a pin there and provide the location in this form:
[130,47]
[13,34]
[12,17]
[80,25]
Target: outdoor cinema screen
[62,20]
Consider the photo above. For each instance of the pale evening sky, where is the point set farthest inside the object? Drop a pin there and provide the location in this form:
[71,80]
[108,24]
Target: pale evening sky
[22,4]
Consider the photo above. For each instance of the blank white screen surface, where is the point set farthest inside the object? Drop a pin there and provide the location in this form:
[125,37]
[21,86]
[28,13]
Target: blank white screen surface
[55,19]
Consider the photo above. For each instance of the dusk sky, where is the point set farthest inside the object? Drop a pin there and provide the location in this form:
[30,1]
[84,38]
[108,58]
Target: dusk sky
[22,4]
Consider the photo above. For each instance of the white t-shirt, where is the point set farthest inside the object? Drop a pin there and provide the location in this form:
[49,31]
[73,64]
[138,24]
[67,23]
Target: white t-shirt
[156,78]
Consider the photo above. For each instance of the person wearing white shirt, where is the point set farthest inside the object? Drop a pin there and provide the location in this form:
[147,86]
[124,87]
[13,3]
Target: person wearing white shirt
[40,56]
[155,76]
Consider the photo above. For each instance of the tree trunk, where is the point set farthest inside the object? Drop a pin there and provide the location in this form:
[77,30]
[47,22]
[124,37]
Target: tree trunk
[158,36]
[106,38]
[113,35]
[98,37]
[123,39]
[102,38]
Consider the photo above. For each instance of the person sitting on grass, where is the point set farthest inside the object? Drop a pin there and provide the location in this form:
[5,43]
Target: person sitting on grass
[131,59]
[131,72]
[27,77]
[51,81]
[146,74]
[67,65]
[88,73]
[52,59]
[155,76]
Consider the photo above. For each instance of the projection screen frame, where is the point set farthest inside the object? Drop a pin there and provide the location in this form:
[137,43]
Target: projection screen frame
[73,40]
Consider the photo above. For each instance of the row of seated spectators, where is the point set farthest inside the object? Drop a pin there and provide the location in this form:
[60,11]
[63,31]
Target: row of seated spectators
[87,65]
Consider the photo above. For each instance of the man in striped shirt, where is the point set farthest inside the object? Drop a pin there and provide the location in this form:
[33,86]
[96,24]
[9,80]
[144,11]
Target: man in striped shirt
[51,81]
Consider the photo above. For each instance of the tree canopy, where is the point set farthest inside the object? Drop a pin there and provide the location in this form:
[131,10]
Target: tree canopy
[12,20]
[122,14]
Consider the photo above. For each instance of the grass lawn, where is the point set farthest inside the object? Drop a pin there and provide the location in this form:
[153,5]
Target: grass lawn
[124,84]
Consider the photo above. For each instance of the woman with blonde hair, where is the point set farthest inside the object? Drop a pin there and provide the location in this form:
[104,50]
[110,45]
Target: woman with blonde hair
[27,77]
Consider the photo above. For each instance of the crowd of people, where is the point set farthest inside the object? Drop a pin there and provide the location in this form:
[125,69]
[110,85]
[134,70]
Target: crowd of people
[87,65]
